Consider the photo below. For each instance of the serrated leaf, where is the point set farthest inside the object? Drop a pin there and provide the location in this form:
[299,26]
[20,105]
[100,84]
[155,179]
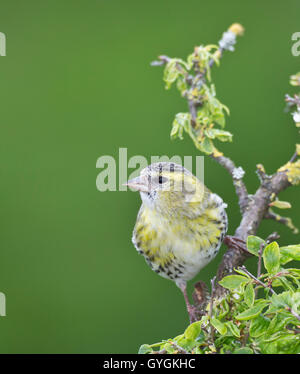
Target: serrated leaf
[271,257]
[250,313]
[193,331]
[258,326]
[233,329]
[233,281]
[249,294]
[219,326]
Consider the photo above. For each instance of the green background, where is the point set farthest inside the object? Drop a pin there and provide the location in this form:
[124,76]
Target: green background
[77,84]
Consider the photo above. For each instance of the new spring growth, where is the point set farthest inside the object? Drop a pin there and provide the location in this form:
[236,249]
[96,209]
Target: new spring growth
[229,37]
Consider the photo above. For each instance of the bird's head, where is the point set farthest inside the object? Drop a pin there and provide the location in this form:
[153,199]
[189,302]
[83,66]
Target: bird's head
[169,188]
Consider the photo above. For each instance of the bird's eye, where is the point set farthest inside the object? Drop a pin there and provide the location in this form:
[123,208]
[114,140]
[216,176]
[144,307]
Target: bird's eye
[161,179]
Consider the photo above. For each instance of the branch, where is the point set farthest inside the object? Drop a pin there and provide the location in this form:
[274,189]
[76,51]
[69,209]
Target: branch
[295,314]
[179,349]
[237,176]
[260,252]
[284,220]
[211,308]
[254,208]
[292,100]
[294,157]
[257,281]
[251,219]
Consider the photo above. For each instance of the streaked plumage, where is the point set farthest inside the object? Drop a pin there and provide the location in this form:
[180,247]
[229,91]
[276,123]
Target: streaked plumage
[180,225]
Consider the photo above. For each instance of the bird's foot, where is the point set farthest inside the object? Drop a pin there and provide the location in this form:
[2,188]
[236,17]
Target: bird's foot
[236,243]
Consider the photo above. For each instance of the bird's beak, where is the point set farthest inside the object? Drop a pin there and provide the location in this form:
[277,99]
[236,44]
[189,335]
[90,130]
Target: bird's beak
[139,184]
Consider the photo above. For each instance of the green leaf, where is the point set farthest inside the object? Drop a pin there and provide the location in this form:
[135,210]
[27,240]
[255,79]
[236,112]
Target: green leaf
[233,329]
[206,146]
[241,272]
[280,204]
[281,343]
[249,294]
[294,271]
[145,348]
[233,281]
[289,253]
[193,331]
[187,344]
[286,299]
[224,309]
[289,343]
[181,123]
[295,79]
[169,348]
[223,136]
[254,243]
[278,323]
[219,326]
[251,312]
[171,72]
[271,257]
[219,118]
[243,350]
[286,283]
[258,326]
[181,84]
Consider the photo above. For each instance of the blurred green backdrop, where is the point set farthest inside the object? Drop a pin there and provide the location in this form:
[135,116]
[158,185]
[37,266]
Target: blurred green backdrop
[77,84]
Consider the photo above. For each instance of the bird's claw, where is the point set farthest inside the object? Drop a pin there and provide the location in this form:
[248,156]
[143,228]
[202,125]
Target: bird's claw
[236,243]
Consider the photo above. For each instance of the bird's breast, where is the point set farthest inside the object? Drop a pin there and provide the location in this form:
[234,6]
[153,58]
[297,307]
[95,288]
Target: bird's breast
[179,247]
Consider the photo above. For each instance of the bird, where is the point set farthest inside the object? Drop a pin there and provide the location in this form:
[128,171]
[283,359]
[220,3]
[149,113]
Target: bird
[180,225]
